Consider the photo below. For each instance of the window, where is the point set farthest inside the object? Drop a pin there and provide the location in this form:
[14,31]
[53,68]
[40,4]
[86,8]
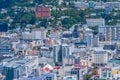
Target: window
[109,74]
[104,74]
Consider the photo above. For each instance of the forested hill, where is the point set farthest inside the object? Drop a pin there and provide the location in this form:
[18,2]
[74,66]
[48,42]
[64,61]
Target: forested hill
[10,3]
[10,9]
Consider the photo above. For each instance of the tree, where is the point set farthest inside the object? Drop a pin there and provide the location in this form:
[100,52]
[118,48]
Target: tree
[88,77]
[95,29]
[68,22]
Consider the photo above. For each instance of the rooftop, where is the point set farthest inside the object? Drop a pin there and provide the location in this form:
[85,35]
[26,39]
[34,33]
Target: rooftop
[17,62]
[114,61]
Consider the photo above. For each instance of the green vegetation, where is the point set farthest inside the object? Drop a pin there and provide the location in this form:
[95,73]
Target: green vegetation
[21,13]
[95,29]
[88,77]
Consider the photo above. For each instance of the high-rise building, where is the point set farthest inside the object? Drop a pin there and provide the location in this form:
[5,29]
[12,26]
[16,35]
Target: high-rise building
[88,36]
[111,32]
[95,41]
[66,50]
[57,53]
[61,51]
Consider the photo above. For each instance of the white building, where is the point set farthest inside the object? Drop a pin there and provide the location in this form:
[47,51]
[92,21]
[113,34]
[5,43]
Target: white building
[35,34]
[99,5]
[39,33]
[80,5]
[66,50]
[100,58]
[95,22]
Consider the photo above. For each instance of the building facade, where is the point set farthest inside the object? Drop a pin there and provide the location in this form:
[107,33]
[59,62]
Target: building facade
[100,58]
[112,33]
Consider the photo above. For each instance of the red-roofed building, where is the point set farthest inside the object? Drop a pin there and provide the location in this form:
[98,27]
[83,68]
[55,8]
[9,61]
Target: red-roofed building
[57,67]
[43,12]
[79,66]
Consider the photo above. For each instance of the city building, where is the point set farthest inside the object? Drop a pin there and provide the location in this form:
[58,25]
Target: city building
[67,34]
[111,32]
[88,36]
[61,52]
[86,61]
[58,55]
[95,22]
[116,72]
[45,52]
[69,60]
[105,73]
[49,76]
[100,58]
[80,5]
[101,36]
[79,70]
[35,34]
[91,4]
[95,41]
[45,76]
[99,5]
[43,12]
[39,33]
[55,34]
[112,5]
[66,50]
[5,46]
[70,77]
[17,68]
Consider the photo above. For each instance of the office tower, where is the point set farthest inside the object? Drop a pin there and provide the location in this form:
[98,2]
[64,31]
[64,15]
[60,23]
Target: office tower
[88,36]
[57,53]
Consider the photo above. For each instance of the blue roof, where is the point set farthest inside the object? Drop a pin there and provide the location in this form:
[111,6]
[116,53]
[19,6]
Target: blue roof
[47,75]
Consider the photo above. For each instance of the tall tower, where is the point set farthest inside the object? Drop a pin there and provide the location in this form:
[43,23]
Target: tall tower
[58,55]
